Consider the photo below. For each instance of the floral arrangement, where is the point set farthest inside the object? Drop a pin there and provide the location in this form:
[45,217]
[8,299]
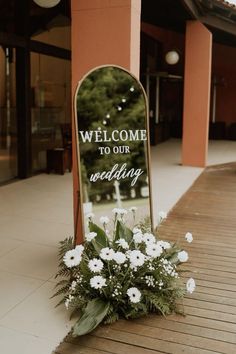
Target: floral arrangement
[128,273]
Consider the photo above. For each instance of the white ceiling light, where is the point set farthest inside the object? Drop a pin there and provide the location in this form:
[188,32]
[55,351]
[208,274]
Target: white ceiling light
[47,3]
[172,57]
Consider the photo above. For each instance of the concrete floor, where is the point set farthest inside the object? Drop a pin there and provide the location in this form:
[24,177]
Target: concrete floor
[35,214]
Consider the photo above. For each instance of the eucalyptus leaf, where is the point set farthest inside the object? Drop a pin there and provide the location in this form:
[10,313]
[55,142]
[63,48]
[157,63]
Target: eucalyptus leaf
[92,315]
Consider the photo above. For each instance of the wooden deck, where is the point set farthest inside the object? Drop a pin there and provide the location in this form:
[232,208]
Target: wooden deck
[208,210]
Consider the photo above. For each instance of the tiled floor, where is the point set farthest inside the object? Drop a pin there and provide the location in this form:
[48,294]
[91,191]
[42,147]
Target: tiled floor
[35,214]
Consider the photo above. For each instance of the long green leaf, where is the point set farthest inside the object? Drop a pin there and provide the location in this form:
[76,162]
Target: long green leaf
[92,315]
[123,231]
[101,240]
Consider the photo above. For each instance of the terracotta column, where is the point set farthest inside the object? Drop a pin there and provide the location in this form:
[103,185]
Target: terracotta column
[197,83]
[103,32]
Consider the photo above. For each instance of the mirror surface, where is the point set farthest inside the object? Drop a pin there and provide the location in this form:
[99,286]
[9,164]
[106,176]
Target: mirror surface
[113,145]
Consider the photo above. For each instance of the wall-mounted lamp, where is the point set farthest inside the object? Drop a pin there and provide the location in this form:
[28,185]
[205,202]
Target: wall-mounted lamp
[47,3]
[172,57]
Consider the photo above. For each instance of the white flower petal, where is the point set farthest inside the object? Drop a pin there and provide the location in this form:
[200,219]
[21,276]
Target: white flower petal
[104,220]
[133,209]
[89,215]
[164,244]
[154,250]
[136,230]
[72,258]
[149,238]
[119,257]
[79,249]
[190,285]
[90,236]
[182,256]
[122,243]
[134,295]
[189,237]
[107,253]
[162,215]
[97,282]
[138,237]
[95,265]
[137,258]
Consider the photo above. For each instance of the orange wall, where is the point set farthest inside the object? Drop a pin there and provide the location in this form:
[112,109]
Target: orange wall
[103,32]
[197,81]
[224,67]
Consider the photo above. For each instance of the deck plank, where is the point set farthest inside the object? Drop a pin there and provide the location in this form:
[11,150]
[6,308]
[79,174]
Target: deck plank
[207,210]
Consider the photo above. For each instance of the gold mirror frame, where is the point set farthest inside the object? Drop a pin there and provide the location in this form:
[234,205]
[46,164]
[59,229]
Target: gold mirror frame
[146,155]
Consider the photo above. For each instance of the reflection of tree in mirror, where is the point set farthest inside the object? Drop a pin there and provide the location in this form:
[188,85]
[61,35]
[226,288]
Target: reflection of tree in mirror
[110,99]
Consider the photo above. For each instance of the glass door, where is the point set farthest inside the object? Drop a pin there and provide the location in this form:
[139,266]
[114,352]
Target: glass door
[8,131]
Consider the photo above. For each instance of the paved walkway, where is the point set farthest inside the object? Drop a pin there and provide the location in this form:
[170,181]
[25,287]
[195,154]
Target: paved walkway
[207,210]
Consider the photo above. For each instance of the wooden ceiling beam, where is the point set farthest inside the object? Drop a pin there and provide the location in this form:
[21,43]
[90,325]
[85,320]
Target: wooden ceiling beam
[13,40]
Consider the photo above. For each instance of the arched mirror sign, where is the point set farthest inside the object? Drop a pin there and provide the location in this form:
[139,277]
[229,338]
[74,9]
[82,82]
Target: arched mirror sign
[112,146]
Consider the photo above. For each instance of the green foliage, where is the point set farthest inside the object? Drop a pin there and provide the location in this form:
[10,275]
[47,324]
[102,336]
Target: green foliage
[126,286]
[157,302]
[65,245]
[123,231]
[112,316]
[101,238]
[92,315]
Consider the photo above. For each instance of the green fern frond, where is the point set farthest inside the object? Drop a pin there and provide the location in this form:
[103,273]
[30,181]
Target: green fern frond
[111,318]
[62,290]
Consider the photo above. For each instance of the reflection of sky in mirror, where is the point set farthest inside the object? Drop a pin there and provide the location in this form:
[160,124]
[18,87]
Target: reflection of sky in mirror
[112,134]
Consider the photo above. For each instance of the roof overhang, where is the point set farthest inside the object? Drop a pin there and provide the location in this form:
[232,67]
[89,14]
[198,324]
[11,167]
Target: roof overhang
[217,15]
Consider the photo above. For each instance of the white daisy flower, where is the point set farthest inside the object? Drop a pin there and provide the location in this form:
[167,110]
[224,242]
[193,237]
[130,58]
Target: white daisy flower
[164,244]
[133,267]
[162,215]
[138,237]
[72,258]
[104,220]
[107,253]
[90,236]
[189,237]
[119,211]
[122,243]
[154,250]
[190,285]
[134,295]
[115,211]
[95,265]
[137,258]
[97,282]
[90,216]
[133,209]
[148,238]
[182,256]
[119,257]
[79,249]
[136,230]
